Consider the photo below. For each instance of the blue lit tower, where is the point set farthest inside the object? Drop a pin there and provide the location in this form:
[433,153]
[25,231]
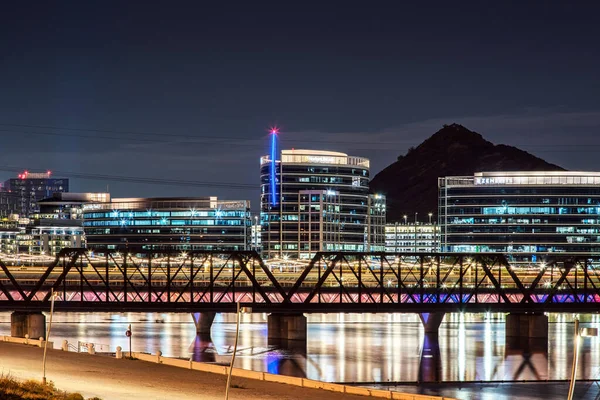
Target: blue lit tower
[311,201]
[270,195]
[273,168]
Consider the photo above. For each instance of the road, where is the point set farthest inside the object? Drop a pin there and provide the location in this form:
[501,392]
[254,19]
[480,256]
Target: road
[109,378]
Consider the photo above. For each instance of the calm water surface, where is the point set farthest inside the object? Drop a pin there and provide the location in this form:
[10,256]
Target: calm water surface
[363,348]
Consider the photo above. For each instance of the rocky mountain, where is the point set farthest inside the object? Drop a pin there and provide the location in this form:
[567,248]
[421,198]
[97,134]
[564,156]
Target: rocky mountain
[410,183]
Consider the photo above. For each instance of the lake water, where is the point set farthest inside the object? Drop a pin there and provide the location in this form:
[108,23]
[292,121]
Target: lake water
[370,349]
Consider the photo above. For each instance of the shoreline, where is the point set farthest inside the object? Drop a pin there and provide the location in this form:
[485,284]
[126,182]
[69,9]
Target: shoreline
[110,378]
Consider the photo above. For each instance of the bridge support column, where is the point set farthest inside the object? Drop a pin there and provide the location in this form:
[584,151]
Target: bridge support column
[287,331]
[203,321]
[430,364]
[28,323]
[431,322]
[534,326]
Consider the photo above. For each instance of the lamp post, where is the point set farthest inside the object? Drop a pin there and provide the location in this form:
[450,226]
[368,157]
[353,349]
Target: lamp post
[47,336]
[430,215]
[584,332]
[237,334]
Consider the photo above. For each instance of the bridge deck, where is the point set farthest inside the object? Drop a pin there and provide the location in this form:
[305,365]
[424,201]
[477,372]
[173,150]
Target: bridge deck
[330,282]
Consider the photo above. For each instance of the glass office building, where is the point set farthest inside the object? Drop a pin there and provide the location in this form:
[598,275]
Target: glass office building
[140,224]
[314,201]
[29,188]
[526,215]
[411,238]
[376,223]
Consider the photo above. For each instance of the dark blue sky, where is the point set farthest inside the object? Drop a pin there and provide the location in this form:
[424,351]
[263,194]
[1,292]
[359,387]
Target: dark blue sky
[201,83]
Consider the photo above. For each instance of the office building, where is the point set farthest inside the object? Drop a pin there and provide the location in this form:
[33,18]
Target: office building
[314,201]
[49,237]
[29,188]
[67,205]
[40,236]
[526,215]
[9,204]
[255,236]
[8,240]
[140,224]
[376,223]
[413,237]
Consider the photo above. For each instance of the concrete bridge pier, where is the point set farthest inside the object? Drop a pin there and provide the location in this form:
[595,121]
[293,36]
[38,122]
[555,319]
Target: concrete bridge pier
[28,323]
[431,322]
[287,331]
[430,363]
[203,321]
[527,325]
[203,349]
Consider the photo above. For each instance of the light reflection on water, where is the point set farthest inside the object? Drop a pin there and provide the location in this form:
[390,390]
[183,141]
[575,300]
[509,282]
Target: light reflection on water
[349,347]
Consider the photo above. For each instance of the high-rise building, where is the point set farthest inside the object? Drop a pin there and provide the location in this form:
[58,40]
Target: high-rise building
[314,200]
[526,215]
[9,204]
[29,188]
[140,224]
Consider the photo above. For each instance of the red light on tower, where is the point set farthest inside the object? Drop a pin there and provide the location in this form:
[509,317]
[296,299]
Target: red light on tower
[274,130]
[49,173]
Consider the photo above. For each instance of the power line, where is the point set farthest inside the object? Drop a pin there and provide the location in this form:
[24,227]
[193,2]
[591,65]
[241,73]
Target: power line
[221,138]
[167,135]
[137,179]
[246,142]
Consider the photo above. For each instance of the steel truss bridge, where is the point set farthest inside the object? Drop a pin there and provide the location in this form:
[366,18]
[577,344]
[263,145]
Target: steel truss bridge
[330,282]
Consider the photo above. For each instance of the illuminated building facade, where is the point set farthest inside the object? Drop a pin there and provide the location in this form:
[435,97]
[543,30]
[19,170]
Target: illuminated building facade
[255,237]
[376,223]
[29,188]
[68,205]
[314,201]
[526,215]
[412,238]
[49,237]
[9,204]
[42,236]
[8,240]
[141,224]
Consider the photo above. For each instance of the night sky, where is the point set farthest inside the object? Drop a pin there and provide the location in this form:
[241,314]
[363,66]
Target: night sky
[187,91]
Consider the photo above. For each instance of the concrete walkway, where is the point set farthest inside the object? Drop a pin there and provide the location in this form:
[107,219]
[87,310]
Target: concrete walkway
[109,378]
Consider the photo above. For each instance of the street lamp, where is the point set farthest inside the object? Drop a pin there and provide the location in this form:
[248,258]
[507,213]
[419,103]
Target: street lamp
[239,310]
[47,336]
[430,215]
[405,217]
[583,332]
